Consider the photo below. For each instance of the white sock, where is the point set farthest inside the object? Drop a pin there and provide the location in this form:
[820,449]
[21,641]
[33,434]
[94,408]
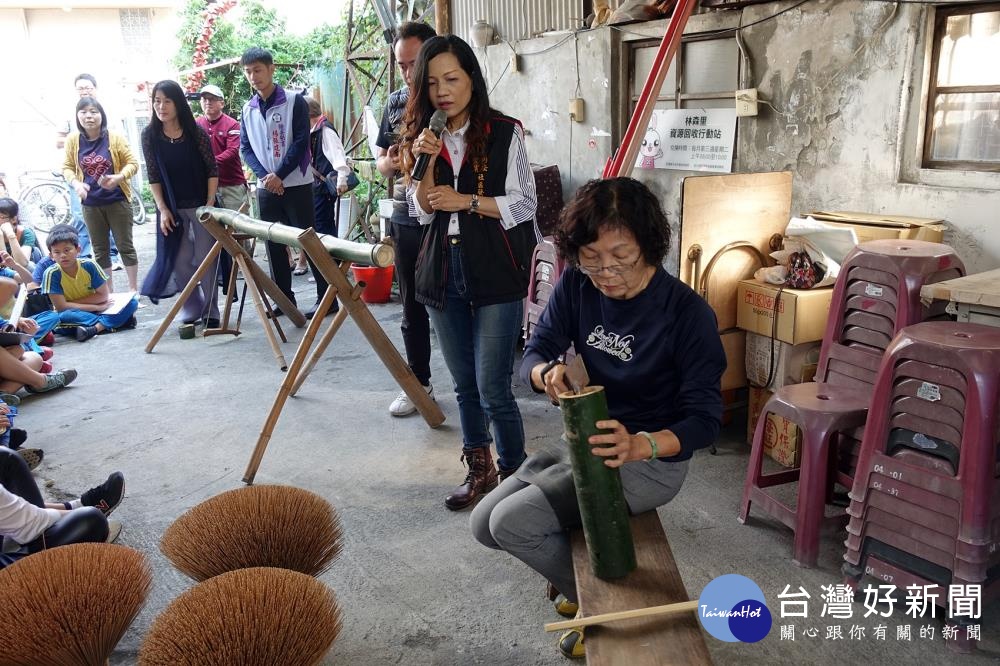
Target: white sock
[75,504]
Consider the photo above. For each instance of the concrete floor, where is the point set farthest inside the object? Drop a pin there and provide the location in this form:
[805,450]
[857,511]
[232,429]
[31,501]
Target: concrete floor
[413,585]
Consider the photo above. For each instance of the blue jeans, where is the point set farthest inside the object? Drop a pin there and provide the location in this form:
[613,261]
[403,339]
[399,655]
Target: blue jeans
[478,347]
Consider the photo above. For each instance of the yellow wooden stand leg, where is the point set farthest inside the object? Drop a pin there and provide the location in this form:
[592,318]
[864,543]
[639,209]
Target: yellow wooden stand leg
[262,312]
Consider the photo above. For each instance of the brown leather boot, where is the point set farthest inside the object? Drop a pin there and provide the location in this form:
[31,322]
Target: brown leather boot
[481,479]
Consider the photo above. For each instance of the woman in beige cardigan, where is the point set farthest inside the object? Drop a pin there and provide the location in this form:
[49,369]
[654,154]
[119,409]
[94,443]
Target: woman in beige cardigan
[98,166]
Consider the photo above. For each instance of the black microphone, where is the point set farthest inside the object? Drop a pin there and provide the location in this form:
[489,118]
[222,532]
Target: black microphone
[438,121]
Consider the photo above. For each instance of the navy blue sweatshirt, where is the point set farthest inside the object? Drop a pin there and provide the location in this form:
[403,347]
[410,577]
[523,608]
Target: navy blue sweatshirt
[658,355]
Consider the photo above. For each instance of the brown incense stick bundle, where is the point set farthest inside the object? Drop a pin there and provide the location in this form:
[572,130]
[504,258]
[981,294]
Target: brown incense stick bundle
[255,526]
[250,616]
[70,605]
[598,487]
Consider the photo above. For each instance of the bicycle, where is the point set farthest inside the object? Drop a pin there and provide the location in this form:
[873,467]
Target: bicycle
[46,203]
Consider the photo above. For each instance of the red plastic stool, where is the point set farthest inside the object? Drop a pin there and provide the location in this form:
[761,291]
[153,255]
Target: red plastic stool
[819,410]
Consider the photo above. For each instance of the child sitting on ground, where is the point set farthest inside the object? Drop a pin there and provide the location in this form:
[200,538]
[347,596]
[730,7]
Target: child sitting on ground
[20,241]
[12,275]
[79,290]
[30,524]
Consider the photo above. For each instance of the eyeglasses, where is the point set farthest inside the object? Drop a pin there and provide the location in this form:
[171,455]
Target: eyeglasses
[85,89]
[614,269]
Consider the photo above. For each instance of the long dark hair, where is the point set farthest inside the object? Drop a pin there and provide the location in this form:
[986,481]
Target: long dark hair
[419,108]
[173,91]
[614,203]
[91,101]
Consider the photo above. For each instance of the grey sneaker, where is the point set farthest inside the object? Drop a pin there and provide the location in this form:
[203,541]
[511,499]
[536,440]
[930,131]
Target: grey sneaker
[54,380]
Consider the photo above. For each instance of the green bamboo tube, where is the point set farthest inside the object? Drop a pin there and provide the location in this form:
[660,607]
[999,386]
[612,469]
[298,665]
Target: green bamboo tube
[598,487]
[379,255]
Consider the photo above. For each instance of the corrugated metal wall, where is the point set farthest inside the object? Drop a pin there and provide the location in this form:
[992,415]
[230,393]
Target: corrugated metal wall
[517,19]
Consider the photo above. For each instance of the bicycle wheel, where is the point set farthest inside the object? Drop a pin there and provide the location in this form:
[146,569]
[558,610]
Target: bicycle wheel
[45,205]
[138,208]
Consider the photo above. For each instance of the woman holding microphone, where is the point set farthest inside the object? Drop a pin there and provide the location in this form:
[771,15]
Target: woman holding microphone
[476,200]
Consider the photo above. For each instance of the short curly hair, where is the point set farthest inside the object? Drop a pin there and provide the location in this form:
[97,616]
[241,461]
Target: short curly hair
[614,203]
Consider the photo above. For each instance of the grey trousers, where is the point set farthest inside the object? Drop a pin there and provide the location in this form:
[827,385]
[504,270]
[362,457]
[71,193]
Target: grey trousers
[234,197]
[517,518]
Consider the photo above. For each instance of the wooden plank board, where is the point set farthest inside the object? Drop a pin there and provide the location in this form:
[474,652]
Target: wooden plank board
[718,210]
[976,289]
[643,642]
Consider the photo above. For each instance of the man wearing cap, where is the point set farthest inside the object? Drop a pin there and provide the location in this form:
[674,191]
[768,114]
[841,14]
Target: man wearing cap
[224,132]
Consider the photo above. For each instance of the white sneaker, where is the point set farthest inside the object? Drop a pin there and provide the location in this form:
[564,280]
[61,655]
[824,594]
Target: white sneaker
[117,265]
[114,529]
[403,406]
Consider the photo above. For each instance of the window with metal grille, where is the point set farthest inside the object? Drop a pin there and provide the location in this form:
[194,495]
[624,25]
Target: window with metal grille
[963,97]
[703,74]
[136,33]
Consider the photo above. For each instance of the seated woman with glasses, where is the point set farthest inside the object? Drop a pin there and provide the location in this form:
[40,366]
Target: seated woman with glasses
[653,344]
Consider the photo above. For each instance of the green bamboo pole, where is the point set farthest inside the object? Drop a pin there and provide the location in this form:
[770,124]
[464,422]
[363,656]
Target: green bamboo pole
[598,487]
[379,255]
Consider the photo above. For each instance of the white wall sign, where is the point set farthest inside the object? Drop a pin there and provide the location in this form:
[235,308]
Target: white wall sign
[689,139]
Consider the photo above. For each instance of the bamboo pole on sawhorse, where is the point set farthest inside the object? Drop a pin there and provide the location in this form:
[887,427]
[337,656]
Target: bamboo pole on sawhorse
[263,310]
[230,293]
[355,308]
[322,308]
[324,342]
[189,288]
[371,329]
[262,279]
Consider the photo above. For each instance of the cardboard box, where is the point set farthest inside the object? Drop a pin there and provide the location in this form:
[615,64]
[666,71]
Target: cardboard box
[868,226]
[782,439]
[793,364]
[801,313]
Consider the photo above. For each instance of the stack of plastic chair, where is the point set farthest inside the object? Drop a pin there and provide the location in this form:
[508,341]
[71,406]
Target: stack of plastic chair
[925,506]
[877,293]
[546,267]
[883,296]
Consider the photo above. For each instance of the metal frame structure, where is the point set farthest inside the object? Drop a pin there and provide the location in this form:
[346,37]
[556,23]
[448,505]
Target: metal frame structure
[371,74]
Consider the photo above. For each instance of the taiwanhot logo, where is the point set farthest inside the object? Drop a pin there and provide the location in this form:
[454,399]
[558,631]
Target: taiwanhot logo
[731,608]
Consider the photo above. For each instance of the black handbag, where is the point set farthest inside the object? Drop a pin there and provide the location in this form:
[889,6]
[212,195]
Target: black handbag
[35,303]
[331,182]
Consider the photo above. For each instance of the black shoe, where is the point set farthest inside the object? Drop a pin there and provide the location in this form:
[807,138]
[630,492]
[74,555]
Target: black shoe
[129,325]
[106,496]
[212,322]
[275,313]
[84,333]
[311,312]
[195,321]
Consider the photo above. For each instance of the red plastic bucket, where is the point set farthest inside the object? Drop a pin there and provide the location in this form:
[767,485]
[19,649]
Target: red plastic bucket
[378,283]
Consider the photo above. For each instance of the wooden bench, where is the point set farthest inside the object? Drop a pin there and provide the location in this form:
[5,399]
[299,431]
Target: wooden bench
[674,639]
